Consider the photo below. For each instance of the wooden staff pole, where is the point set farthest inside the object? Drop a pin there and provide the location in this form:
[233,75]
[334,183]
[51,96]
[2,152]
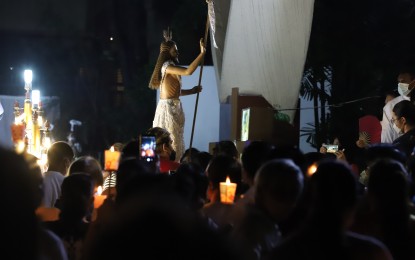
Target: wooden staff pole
[200,82]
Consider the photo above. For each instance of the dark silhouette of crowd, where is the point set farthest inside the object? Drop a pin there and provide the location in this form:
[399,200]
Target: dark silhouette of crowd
[281,208]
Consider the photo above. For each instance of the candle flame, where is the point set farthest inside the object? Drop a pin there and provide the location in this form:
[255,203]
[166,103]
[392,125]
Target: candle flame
[312,169]
[112,149]
[99,190]
[228,181]
[20,146]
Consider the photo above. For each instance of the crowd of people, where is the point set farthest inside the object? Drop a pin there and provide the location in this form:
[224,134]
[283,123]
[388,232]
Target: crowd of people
[172,209]
[287,204]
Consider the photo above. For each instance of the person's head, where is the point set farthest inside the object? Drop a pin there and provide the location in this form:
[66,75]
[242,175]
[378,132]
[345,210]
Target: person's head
[60,156]
[89,165]
[168,51]
[131,150]
[76,201]
[383,151]
[333,190]
[405,77]
[20,189]
[388,183]
[226,147]
[253,156]
[403,115]
[131,176]
[164,142]
[191,183]
[190,155]
[159,224]
[289,152]
[278,186]
[203,158]
[388,197]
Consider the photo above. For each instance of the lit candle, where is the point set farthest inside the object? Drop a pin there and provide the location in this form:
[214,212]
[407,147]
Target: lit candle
[312,169]
[98,198]
[111,159]
[227,191]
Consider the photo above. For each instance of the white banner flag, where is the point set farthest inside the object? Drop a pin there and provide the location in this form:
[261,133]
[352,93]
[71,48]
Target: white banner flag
[211,13]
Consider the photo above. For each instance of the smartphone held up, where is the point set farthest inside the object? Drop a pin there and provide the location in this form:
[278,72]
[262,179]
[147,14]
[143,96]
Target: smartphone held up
[331,148]
[148,148]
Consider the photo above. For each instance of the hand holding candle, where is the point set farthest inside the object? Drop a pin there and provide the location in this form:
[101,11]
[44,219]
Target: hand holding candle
[227,191]
[112,158]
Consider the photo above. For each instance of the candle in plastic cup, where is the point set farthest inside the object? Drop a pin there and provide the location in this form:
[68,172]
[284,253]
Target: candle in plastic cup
[227,191]
[98,198]
[112,158]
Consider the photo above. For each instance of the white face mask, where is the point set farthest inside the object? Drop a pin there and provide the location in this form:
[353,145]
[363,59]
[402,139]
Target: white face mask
[403,89]
[397,129]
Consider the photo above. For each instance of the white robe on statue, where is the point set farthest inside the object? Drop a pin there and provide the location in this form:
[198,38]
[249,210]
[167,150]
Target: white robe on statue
[170,116]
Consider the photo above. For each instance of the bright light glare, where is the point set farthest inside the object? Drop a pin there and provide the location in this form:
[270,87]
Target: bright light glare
[99,190]
[35,97]
[312,169]
[28,76]
[47,142]
[20,146]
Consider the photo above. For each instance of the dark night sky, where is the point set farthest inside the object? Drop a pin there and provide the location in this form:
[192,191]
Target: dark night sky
[57,38]
[42,15]
[362,40]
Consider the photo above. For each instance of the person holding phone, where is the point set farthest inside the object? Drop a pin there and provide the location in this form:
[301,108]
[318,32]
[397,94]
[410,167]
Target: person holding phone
[344,151]
[167,76]
[164,149]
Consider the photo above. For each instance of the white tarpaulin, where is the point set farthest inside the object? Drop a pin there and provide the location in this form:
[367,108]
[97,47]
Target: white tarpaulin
[262,47]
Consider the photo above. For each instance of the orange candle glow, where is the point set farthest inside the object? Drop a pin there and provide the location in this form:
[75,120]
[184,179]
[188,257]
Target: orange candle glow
[312,169]
[98,198]
[112,158]
[227,191]
[18,132]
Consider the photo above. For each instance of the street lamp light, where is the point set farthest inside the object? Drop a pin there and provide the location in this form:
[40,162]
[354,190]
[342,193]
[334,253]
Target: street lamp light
[35,98]
[28,76]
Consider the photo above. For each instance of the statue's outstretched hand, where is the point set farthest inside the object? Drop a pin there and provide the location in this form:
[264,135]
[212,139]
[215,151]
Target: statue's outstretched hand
[197,89]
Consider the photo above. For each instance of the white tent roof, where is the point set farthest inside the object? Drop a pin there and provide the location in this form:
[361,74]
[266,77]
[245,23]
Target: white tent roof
[262,47]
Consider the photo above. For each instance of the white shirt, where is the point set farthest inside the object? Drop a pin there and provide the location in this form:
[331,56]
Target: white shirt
[388,133]
[52,182]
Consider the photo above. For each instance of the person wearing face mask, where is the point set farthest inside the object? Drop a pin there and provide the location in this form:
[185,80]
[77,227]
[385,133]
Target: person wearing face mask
[406,83]
[403,119]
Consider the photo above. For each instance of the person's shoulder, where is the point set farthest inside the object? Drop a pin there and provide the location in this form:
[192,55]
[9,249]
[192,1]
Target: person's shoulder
[396,100]
[368,246]
[53,175]
[51,246]
[391,103]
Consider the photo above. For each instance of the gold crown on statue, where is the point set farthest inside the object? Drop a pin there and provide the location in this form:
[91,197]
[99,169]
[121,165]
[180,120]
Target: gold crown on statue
[167,34]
